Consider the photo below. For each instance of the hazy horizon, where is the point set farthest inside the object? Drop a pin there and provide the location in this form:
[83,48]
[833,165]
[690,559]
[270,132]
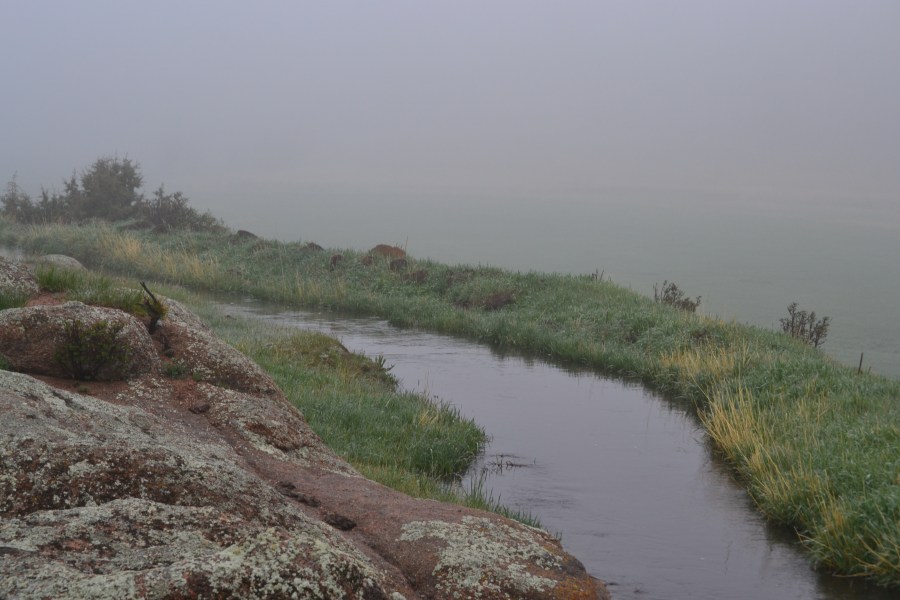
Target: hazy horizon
[748,151]
[785,98]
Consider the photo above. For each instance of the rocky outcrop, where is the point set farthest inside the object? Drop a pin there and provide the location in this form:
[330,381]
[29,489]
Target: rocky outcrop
[155,487]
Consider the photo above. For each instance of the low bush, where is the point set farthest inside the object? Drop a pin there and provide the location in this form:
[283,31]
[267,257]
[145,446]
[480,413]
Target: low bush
[671,295]
[87,349]
[804,326]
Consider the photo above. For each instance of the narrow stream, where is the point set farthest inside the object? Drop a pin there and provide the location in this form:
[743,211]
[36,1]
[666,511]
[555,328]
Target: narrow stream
[624,477]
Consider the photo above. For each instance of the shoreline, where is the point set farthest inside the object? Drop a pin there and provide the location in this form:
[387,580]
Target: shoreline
[773,407]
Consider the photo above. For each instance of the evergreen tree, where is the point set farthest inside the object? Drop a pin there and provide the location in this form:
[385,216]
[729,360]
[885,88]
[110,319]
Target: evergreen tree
[109,190]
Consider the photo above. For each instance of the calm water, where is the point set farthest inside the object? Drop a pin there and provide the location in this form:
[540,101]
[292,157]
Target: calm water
[625,477]
[748,256]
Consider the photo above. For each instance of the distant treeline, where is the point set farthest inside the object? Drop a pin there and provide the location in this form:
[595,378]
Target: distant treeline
[109,190]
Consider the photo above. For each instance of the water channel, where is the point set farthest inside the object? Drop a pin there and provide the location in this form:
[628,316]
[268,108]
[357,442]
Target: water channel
[626,478]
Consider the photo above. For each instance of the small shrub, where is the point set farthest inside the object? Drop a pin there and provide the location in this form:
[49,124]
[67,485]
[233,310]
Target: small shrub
[175,370]
[167,212]
[87,349]
[5,365]
[804,326]
[672,295]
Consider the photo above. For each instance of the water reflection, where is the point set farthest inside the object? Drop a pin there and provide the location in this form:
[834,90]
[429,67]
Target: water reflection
[626,478]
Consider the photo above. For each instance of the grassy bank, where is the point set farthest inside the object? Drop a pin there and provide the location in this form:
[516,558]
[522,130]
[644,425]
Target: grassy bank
[816,444]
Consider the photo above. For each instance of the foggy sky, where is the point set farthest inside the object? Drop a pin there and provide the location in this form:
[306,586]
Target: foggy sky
[274,98]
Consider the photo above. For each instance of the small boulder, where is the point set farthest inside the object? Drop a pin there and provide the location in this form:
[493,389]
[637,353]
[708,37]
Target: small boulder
[60,261]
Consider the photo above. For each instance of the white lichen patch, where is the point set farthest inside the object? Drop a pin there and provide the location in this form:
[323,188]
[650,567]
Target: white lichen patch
[301,565]
[134,548]
[15,278]
[484,556]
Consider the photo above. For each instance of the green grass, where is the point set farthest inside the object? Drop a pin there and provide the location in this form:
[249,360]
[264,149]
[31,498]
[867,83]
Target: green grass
[816,444]
[91,288]
[12,300]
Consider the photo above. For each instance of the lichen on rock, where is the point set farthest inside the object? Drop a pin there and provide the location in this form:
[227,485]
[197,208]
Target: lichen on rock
[479,555]
[15,279]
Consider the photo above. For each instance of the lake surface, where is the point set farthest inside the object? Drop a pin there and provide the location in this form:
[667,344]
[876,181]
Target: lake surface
[747,255]
[625,477]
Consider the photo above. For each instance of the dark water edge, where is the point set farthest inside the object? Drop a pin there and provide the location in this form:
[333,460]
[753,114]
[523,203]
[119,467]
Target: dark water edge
[626,478]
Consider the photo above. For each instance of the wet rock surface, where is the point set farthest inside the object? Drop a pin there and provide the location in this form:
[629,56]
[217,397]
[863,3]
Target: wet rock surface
[151,487]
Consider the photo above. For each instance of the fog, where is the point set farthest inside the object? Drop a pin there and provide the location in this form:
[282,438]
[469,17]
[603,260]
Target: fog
[247,107]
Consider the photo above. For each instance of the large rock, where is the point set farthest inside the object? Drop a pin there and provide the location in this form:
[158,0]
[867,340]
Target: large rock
[207,357]
[16,280]
[162,488]
[32,338]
